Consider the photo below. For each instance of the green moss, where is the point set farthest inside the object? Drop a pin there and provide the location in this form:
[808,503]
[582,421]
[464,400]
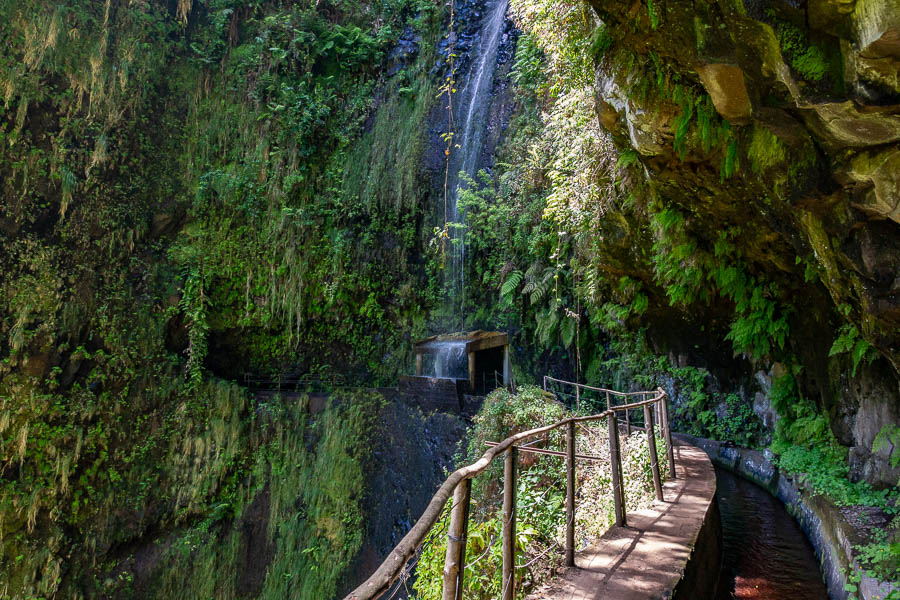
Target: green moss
[308,475]
[765,151]
[811,61]
[175,186]
[601,41]
[806,446]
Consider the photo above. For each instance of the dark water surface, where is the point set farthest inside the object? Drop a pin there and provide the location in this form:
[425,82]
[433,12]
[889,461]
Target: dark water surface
[766,555]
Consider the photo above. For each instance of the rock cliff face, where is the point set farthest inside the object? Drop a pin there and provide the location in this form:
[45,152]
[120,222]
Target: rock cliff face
[798,165]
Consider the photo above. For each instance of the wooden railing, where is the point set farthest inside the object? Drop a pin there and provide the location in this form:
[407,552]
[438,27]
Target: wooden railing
[611,397]
[459,486]
[287,382]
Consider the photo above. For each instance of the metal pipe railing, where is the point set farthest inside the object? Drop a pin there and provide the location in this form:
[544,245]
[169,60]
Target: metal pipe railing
[458,485]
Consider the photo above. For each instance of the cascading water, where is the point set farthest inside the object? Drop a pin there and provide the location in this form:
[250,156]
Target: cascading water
[471,116]
[450,360]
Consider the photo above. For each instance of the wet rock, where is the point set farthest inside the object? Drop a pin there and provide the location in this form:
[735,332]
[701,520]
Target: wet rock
[883,73]
[843,124]
[161,224]
[762,406]
[832,16]
[760,57]
[877,27]
[725,85]
[873,414]
[404,52]
[645,130]
[877,175]
[36,365]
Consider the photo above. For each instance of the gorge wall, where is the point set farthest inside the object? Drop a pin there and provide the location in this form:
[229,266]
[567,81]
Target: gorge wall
[768,134]
[701,195]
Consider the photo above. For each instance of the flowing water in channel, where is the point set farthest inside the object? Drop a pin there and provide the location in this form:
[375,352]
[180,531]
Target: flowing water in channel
[766,555]
[471,115]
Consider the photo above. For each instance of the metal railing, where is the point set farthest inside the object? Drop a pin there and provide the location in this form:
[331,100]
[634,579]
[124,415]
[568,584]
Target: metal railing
[459,486]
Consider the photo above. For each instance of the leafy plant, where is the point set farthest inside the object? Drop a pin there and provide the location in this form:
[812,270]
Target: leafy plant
[541,497]
[850,340]
[888,437]
[881,557]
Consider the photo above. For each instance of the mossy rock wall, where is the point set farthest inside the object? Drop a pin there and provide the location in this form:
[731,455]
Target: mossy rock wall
[794,163]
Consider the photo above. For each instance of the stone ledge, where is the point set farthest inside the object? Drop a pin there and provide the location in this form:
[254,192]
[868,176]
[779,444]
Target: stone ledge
[830,534]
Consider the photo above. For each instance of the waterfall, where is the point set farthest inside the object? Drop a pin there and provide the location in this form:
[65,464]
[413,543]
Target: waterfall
[471,116]
[451,360]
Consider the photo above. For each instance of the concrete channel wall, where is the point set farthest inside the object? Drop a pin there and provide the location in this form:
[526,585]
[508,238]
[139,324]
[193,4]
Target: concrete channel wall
[822,522]
[669,549]
[701,574]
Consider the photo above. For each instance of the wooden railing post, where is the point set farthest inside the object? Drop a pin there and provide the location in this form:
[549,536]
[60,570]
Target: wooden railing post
[627,422]
[667,433]
[510,486]
[455,559]
[615,461]
[651,443]
[570,494]
[545,383]
[458,485]
[607,401]
[577,397]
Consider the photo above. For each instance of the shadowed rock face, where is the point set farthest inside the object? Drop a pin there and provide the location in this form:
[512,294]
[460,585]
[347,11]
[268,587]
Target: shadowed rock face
[819,81]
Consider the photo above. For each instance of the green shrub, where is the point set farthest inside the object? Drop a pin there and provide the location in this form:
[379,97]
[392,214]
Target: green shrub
[541,495]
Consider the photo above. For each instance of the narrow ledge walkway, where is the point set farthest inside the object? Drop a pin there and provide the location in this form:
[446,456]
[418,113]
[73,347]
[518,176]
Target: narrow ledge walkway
[646,558]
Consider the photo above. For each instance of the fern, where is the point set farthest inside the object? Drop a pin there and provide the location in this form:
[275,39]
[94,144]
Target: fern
[654,17]
[540,288]
[194,304]
[730,162]
[626,159]
[640,303]
[682,126]
[850,340]
[510,284]
[547,322]
[68,184]
[567,330]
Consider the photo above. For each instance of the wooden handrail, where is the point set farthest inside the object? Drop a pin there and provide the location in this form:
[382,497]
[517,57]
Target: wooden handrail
[392,567]
[588,387]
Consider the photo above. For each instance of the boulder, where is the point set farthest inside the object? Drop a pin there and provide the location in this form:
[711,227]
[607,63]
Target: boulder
[831,16]
[645,130]
[877,177]
[842,124]
[725,85]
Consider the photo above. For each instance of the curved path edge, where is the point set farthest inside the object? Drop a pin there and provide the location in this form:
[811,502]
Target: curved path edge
[671,544]
[822,522]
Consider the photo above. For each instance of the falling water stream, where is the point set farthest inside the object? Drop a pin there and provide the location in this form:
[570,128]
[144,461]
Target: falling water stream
[766,555]
[472,119]
[450,360]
